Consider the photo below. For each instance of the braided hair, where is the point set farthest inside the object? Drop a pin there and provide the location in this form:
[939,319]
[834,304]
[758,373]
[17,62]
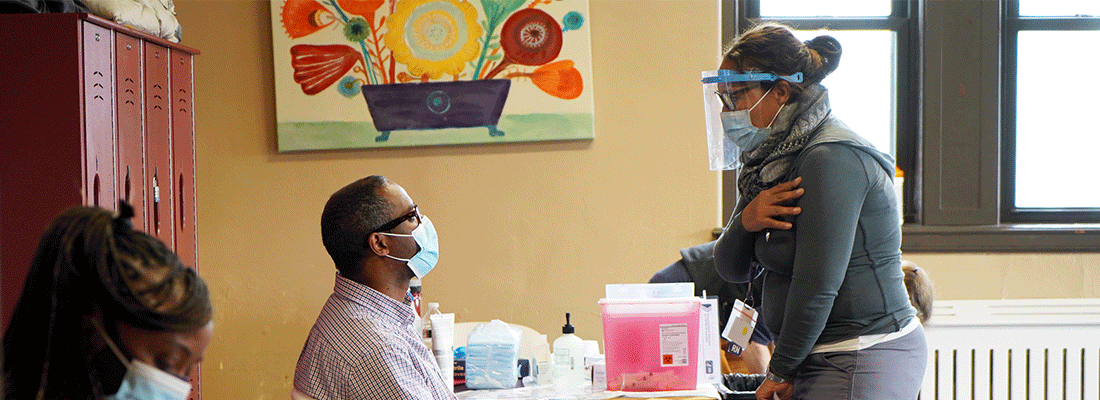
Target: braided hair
[91,263]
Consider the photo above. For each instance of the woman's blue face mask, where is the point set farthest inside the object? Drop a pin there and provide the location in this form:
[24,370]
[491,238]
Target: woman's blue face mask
[730,132]
[144,381]
[739,129]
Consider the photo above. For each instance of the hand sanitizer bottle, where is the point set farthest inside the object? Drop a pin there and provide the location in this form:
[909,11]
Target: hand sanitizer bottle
[568,360]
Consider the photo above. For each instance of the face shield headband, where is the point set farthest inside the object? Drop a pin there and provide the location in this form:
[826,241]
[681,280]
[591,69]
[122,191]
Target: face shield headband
[718,97]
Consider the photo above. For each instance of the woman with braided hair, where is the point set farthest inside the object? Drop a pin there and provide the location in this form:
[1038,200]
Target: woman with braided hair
[107,312]
[818,214]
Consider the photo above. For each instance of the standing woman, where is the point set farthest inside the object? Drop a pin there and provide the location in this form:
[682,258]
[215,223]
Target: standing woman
[817,213]
[107,312]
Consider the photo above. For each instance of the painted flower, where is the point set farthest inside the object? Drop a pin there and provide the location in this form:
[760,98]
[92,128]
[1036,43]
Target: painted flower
[531,37]
[357,29]
[365,8]
[350,86]
[572,20]
[433,37]
[303,17]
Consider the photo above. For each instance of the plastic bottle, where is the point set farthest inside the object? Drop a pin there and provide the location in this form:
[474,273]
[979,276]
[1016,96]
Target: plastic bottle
[568,359]
[433,308]
[899,191]
[492,355]
[443,335]
[542,360]
[414,290]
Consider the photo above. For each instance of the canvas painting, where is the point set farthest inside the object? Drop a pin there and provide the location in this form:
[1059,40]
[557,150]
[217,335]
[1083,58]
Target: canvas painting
[392,73]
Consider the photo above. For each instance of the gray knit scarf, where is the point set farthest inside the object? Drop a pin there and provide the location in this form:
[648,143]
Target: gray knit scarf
[768,165]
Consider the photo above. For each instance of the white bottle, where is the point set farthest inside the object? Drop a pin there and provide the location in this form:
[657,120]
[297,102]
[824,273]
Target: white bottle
[568,360]
[433,308]
[899,191]
[543,362]
[443,339]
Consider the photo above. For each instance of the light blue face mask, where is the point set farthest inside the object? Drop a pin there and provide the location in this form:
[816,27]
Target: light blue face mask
[424,259]
[739,129]
[143,381]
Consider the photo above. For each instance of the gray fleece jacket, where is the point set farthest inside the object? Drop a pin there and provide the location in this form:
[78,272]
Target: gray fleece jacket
[836,274]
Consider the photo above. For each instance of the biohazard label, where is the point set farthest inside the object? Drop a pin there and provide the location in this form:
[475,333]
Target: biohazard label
[674,345]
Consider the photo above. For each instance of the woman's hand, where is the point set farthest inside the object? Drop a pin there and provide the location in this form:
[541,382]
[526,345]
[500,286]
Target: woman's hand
[770,390]
[760,213]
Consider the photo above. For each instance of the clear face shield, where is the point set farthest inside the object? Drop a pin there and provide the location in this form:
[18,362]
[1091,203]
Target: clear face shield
[721,90]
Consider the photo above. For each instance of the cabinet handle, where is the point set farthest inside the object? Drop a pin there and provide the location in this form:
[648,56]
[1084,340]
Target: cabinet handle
[95,190]
[126,188]
[183,210]
[97,37]
[156,205]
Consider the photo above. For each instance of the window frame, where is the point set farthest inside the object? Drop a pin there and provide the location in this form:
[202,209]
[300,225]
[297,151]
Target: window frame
[1014,24]
[906,117]
[951,137]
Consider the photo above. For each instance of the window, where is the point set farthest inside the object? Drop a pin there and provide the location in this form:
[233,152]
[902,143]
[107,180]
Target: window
[992,105]
[871,89]
[874,35]
[1050,135]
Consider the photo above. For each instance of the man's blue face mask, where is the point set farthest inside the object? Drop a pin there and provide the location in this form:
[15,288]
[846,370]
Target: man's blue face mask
[425,259]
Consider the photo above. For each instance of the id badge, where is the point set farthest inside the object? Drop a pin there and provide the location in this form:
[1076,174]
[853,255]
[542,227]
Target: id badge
[739,327]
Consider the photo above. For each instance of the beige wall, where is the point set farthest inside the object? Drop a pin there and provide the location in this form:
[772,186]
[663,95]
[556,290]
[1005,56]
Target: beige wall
[528,231]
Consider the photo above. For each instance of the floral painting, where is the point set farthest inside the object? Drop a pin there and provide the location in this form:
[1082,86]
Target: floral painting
[391,73]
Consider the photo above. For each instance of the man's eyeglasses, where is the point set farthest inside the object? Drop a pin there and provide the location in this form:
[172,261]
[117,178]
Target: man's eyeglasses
[414,214]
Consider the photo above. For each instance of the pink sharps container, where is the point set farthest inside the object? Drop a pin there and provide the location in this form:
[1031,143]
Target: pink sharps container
[651,344]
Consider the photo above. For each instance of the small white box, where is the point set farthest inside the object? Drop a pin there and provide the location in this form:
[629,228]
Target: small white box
[599,376]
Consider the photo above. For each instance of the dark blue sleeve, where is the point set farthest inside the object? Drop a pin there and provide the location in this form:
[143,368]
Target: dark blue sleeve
[676,272]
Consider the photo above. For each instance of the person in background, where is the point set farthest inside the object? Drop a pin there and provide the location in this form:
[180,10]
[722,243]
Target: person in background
[364,344]
[696,264]
[817,211]
[107,312]
[921,291]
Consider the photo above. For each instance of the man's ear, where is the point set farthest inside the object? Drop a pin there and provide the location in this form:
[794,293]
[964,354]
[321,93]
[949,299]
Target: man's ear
[377,244]
[782,92]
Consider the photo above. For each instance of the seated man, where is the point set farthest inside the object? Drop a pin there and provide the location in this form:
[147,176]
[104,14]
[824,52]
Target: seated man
[364,344]
[697,265]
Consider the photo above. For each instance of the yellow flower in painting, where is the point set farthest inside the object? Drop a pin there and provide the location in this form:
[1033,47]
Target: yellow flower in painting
[433,37]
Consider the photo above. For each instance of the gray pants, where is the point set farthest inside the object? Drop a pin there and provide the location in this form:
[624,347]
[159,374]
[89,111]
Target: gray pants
[886,371]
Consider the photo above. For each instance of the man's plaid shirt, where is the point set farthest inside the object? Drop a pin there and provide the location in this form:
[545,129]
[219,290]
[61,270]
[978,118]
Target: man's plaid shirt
[364,346]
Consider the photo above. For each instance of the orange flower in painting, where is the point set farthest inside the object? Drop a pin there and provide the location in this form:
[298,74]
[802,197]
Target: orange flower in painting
[303,17]
[365,8]
[559,79]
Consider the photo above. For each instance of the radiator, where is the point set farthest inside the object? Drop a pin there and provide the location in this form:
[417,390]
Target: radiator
[1013,349]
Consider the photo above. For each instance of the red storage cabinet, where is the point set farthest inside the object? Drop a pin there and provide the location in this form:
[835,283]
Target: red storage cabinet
[91,112]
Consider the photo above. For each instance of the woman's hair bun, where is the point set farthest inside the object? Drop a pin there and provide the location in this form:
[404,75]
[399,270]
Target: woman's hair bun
[123,222]
[829,49]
